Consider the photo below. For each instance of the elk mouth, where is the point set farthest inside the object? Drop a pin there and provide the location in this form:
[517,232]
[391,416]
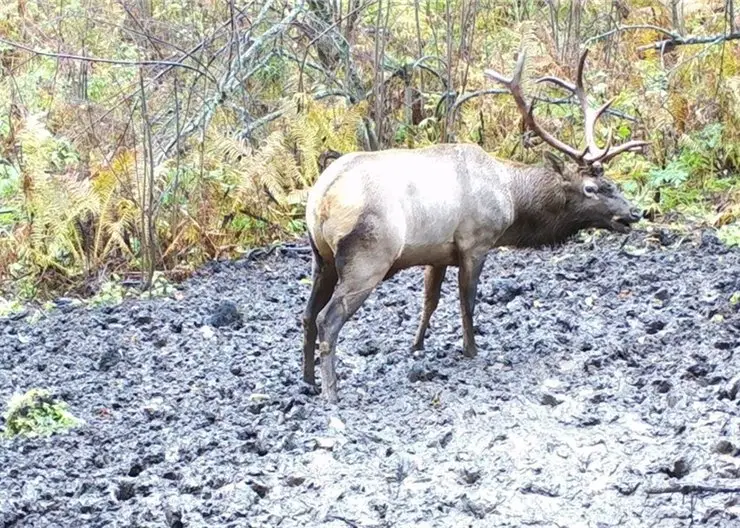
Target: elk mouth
[622,224]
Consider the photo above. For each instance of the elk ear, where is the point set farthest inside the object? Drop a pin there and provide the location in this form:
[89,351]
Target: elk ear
[555,163]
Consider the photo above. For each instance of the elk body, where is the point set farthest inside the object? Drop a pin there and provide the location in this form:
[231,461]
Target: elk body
[372,214]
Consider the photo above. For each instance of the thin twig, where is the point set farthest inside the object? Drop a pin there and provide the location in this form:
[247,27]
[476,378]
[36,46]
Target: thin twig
[323,33]
[619,29]
[468,96]
[118,62]
[687,489]
[690,41]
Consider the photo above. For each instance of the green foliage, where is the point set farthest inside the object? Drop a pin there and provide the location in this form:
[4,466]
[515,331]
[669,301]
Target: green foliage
[730,234]
[113,291]
[36,413]
[675,174]
[9,306]
[72,168]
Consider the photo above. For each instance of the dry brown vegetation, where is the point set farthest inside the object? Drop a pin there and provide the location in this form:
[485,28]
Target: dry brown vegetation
[143,135]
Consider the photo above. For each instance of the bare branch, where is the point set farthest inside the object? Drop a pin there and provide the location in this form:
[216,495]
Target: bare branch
[686,489]
[636,27]
[669,44]
[472,95]
[118,62]
[332,26]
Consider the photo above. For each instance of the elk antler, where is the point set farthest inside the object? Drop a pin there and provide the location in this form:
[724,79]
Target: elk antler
[592,153]
[591,116]
[514,86]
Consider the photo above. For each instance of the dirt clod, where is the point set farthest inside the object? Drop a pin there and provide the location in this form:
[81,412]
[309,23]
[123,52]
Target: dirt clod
[226,314]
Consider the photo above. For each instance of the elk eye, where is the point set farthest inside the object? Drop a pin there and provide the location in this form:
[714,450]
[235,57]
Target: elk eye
[590,190]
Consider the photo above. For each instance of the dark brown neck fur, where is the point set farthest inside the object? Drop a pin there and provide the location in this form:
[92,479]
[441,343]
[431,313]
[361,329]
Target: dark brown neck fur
[543,215]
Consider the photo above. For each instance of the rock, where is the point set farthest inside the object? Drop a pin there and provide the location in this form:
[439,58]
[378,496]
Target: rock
[654,326]
[711,242]
[109,359]
[699,369]
[471,507]
[662,386]
[327,443]
[724,447]
[226,314]
[546,490]
[445,439]
[142,317]
[504,291]
[259,488]
[470,476]
[665,237]
[680,469]
[294,480]
[420,371]
[731,389]
[125,490]
[550,400]
[240,498]
[173,517]
[336,424]
[662,294]
[627,487]
[728,469]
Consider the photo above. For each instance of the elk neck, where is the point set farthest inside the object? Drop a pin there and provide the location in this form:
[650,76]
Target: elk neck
[543,214]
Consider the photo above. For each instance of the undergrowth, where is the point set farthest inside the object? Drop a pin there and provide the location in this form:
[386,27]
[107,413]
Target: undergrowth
[77,185]
[37,413]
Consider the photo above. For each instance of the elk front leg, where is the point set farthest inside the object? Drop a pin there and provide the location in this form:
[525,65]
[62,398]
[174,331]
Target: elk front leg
[471,266]
[324,281]
[433,278]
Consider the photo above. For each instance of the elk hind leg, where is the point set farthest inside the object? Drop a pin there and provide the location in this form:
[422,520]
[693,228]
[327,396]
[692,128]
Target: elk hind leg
[359,273]
[324,280]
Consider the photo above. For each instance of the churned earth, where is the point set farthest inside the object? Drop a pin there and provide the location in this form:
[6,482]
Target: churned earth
[605,393]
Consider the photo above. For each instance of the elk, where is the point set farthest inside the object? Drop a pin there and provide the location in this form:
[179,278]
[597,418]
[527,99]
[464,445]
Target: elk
[372,214]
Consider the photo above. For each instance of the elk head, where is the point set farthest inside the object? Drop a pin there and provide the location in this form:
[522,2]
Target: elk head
[590,198]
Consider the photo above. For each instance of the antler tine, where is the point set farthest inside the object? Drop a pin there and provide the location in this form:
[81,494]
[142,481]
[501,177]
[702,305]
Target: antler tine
[630,145]
[514,86]
[555,80]
[591,153]
[592,150]
[590,116]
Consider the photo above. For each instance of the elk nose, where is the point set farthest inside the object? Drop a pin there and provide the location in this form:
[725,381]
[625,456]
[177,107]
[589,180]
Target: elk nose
[636,213]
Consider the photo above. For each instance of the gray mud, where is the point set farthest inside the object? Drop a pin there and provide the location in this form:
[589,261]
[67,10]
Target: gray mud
[605,374]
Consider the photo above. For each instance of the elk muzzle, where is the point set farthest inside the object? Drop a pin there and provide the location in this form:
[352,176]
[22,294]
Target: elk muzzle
[623,223]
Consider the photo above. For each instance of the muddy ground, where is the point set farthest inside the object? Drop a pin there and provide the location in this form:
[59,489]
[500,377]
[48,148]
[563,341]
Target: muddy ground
[606,374]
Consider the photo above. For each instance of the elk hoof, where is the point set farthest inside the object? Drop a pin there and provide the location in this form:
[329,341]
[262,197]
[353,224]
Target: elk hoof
[309,389]
[330,395]
[417,346]
[470,351]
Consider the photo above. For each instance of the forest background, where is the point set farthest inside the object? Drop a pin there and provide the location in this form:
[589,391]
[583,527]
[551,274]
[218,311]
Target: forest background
[142,138]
